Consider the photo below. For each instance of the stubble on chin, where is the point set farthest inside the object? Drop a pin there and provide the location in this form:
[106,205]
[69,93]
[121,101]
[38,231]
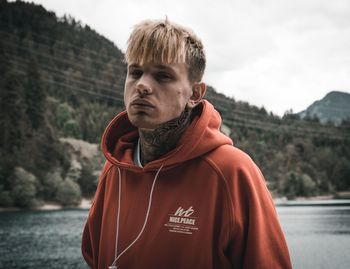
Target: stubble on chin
[141,121]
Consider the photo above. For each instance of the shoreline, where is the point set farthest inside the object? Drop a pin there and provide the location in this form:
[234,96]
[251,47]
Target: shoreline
[338,199]
[341,198]
[85,203]
[314,203]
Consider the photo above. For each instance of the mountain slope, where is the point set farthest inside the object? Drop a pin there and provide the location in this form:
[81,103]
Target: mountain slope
[334,107]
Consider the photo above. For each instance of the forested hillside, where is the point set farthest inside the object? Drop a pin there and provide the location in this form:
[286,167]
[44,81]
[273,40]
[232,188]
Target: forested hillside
[61,82]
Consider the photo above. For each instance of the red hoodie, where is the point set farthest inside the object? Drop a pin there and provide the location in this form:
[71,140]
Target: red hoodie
[203,205]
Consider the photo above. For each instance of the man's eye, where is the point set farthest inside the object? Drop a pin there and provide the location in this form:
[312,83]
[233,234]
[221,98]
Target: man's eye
[163,76]
[135,73]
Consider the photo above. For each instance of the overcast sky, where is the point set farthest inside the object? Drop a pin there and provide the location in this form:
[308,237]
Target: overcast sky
[280,54]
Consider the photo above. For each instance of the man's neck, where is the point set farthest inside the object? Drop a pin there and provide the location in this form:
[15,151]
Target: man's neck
[156,143]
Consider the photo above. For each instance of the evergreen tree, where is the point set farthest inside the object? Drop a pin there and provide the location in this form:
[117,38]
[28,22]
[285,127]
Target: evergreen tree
[12,119]
[35,96]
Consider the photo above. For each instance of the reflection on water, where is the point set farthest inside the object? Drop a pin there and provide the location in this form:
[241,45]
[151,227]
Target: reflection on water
[48,239]
[318,237]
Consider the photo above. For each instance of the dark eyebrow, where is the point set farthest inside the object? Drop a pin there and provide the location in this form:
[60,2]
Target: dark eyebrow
[133,66]
[158,66]
[164,67]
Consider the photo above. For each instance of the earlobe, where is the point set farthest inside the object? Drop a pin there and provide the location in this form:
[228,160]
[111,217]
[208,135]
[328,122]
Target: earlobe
[198,91]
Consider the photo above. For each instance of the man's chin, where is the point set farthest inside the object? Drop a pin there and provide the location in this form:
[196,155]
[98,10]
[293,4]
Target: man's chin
[142,123]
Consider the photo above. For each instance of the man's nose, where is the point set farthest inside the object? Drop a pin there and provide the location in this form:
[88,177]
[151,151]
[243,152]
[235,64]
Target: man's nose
[144,86]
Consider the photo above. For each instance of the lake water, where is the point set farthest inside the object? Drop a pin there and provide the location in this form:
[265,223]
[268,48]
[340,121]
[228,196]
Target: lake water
[318,237]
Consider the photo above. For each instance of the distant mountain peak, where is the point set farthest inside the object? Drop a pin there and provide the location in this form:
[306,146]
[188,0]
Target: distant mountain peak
[334,107]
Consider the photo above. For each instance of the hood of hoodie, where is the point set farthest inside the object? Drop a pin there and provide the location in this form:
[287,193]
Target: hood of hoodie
[202,136]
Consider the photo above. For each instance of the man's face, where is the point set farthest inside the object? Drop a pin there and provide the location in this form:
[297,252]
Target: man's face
[155,94]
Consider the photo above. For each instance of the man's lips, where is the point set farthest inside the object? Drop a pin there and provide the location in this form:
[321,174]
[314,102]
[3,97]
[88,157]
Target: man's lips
[142,103]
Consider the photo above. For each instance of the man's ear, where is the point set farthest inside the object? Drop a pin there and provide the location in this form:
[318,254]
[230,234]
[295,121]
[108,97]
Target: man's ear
[198,92]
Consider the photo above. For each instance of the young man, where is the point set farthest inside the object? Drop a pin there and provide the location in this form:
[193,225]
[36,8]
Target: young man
[174,192]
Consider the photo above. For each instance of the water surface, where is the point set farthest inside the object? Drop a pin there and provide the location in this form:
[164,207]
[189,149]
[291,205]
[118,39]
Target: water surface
[41,239]
[317,236]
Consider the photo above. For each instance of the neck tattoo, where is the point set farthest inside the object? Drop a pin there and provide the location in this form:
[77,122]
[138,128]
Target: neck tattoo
[156,143]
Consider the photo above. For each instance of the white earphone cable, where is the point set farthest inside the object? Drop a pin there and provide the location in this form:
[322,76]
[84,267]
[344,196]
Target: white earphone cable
[116,256]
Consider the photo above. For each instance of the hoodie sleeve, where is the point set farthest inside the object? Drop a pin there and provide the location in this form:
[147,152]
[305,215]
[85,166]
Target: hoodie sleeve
[91,233]
[256,238]
[86,246]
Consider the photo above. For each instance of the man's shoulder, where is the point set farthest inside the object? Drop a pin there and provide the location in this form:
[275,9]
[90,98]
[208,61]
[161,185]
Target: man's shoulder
[237,169]
[229,155]
[228,160]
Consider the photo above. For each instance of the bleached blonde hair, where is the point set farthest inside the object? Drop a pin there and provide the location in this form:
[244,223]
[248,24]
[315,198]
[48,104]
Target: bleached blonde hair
[164,42]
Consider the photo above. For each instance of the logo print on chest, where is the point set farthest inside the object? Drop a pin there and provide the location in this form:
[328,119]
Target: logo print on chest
[182,221]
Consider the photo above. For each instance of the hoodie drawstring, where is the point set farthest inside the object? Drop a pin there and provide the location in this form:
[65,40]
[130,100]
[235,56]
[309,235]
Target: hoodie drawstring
[116,256]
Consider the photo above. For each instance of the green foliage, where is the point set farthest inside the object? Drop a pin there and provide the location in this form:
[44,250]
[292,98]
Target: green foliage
[49,67]
[75,171]
[63,114]
[34,96]
[68,193]
[24,188]
[12,117]
[291,186]
[88,181]
[307,186]
[71,128]
[341,172]
[313,118]
[5,197]
[93,118]
[50,185]
[297,184]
